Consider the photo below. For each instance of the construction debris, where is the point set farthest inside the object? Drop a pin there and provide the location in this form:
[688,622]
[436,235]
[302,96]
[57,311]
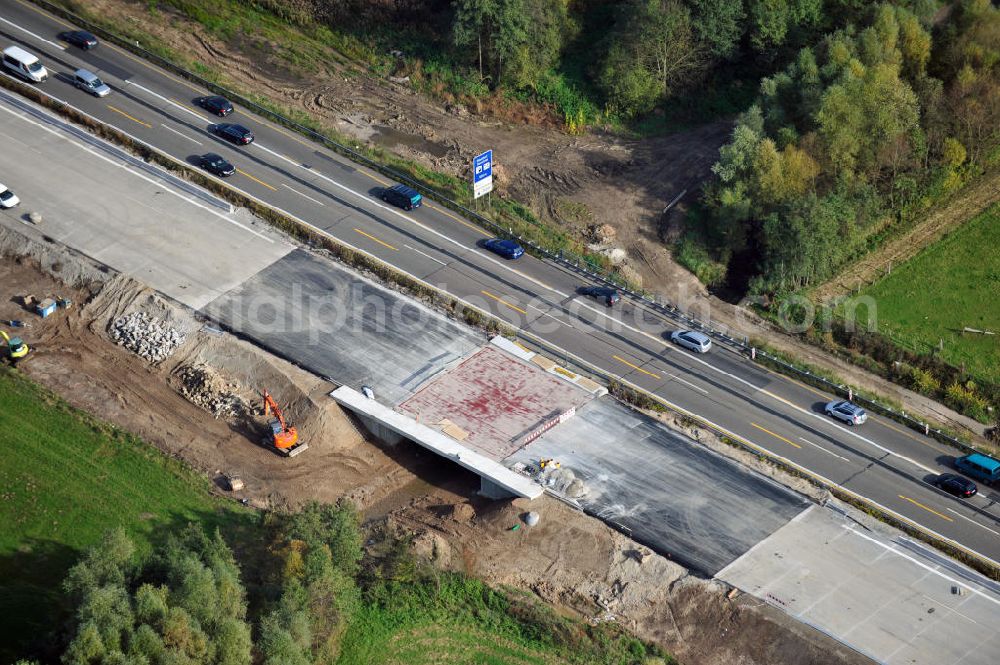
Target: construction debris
[150,339]
[204,387]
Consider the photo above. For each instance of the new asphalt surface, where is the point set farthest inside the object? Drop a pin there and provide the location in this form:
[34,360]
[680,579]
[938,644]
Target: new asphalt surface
[880,460]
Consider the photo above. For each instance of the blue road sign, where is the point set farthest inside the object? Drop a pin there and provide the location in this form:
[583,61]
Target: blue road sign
[482,174]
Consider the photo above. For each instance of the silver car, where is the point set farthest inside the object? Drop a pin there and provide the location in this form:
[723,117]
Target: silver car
[852,414]
[88,81]
[691,340]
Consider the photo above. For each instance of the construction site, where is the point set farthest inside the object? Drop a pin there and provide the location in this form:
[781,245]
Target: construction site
[286,376]
[128,355]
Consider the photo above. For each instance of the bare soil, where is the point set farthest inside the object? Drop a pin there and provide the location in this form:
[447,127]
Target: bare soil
[575,182]
[571,560]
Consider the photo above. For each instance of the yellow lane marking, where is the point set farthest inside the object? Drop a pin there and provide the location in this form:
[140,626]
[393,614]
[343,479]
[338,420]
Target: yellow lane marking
[459,220]
[918,439]
[256,180]
[362,171]
[371,237]
[635,367]
[144,124]
[795,381]
[51,17]
[196,111]
[930,510]
[503,302]
[776,436]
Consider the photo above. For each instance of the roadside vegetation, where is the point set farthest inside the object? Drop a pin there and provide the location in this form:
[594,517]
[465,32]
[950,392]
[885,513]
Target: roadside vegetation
[938,316]
[67,478]
[114,553]
[850,143]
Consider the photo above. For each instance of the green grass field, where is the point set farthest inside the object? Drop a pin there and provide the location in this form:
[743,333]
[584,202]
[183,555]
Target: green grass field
[458,620]
[950,285]
[65,478]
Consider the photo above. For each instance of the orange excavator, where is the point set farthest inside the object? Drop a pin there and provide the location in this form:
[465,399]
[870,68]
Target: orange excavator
[284,437]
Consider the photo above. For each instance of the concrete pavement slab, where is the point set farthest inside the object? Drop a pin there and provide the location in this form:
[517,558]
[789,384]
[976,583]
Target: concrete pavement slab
[884,595]
[131,219]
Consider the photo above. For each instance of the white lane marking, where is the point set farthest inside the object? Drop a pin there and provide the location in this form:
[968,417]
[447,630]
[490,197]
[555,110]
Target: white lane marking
[166,99]
[828,452]
[594,309]
[698,388]
[930,569]
[171,129]
[305,196]
[38,37]
[974,522]
[542,313]
[128,169]
[410,219]
[885,450]
[424,254]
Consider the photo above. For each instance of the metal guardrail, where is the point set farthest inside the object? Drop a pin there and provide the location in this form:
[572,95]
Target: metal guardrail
[586,369]
[571,261]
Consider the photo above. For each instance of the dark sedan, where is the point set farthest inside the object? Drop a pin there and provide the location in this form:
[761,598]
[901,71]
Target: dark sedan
[79,38]
[237,134]
[604,294]
[956,485]
[216,164]
[508,249]
[220,106]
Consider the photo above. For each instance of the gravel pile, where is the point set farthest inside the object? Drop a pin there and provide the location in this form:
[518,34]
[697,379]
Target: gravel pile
[150,339]
[204,388]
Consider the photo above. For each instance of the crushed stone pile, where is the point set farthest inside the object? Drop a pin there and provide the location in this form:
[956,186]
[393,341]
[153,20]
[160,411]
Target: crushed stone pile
[150,339]
[204,387]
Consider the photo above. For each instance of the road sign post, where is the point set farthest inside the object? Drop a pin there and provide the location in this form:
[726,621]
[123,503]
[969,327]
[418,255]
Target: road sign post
[482,174]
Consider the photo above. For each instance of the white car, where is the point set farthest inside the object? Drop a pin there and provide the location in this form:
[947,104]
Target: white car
[694,341]
[8,199]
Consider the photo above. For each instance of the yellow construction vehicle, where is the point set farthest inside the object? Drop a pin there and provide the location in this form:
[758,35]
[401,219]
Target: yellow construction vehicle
[16,348]
[284,437]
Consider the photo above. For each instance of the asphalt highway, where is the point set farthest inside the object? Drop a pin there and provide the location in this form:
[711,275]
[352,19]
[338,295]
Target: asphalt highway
[880,460]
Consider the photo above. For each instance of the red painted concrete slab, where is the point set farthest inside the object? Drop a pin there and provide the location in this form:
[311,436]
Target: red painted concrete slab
[498,399]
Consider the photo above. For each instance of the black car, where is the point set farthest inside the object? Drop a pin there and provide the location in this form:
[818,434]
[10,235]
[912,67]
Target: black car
[605,294]
[956,485]
[238,134]
[220,106]
[216,164]
[402,196]
[80,38]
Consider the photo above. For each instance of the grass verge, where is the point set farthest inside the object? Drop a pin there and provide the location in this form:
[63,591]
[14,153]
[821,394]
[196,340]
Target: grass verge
[455,619]
[951,285]
[66,478]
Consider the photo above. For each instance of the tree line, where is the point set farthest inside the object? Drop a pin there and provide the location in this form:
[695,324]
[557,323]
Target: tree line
[860,132]
[618,58]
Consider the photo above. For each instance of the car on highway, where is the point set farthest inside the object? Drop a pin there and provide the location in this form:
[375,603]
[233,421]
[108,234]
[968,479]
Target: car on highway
[24,65]
[79,38]
[220,106]
[509,249]
[605,294]
[88,81]
[981,467]
[8,199]
[403,197]
[216,164]
[852,414]
[956,485]
[692,340]
[237,134]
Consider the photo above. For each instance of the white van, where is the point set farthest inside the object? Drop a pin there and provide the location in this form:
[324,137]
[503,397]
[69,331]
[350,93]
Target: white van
[23,64]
